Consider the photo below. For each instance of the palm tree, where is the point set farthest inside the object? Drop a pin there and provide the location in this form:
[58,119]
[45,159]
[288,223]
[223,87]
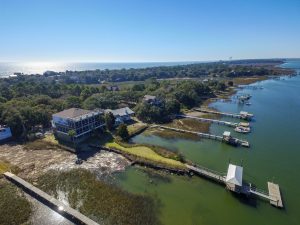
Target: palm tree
[72,134]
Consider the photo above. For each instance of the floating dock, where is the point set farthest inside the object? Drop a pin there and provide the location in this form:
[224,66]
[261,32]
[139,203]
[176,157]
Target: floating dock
[234,182]
[241,115]
[227,139]
[58,206]
[274,192]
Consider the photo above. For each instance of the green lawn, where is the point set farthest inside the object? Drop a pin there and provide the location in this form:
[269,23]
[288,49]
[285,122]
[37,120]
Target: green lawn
[4,167]
[146,153]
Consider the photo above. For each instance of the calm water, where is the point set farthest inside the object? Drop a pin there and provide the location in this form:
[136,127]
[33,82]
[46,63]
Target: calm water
[7,69]
[274,155]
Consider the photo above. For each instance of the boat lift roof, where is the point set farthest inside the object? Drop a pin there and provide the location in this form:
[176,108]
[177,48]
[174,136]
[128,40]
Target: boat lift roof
[235,175]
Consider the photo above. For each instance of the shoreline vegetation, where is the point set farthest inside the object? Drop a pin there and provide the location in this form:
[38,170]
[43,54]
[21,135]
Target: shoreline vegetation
[112,204]
[27,103]
[12,199]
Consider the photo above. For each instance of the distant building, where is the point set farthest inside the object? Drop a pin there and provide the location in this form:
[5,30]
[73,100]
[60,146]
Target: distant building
[234,178]
[82,121]
[122,115]
[113,88]
[153,100]
[5,133]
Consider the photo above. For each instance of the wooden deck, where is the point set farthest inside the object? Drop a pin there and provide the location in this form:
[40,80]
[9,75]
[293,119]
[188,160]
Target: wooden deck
[60,207]
[274,193]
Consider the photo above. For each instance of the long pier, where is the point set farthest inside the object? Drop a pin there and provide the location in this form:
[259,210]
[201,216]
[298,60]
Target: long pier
[221,122]
[205,172]
[241,115]
[274,195]
[232,141]
[58,206]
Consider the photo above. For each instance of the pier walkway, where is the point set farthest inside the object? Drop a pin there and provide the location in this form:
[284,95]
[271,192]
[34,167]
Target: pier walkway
[232,141]
[204,135]
[200,170]
[241,115]
[59,206]
[221,122]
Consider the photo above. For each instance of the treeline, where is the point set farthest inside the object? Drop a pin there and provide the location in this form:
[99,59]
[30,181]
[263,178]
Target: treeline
[26,106]
[165,72]
[28,102]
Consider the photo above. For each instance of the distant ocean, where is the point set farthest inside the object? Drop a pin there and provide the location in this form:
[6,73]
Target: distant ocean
[7,69]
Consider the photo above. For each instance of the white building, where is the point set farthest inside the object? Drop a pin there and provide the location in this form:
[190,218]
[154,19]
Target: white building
[234,178]
[82,121]
[122,115]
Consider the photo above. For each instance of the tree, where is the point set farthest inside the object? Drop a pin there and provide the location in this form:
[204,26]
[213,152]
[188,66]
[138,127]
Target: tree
[109,120]
[122,131]
[73,102]
[72,134]
[172,106]
[13,119]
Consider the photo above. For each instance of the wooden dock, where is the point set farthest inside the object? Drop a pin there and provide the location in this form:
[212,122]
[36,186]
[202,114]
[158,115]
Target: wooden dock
[241,115]
[208,173]
[274,196]
[221,122]
[206,135]
[274,193]
[57,205]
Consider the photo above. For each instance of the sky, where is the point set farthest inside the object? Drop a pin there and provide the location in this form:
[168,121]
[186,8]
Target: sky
[148,30]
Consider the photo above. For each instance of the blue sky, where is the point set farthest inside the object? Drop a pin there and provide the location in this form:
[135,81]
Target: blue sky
[152,30]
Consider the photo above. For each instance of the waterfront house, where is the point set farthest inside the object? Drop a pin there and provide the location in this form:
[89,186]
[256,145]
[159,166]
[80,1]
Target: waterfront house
[122,115]
[82,121]
[234,178]
[113,88]
[5,133]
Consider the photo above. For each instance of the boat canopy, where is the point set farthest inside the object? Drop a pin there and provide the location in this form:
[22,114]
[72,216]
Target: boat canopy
[235,175]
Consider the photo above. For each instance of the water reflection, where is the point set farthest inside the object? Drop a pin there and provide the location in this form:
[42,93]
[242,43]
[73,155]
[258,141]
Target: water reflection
[43,215]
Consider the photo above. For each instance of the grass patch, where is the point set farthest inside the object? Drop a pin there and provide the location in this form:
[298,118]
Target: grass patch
[248,80]
[15,209]
[6,166]
[136,128]
[185,124]
[102,202]
[49,142]
[146,153]
[159,150]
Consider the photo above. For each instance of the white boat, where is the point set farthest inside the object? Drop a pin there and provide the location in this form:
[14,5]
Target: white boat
[243,130]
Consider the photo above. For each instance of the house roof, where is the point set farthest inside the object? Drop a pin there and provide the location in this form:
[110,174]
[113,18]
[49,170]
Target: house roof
[121,112]
[235,175]
[72,113]
[149,97]
[226,133]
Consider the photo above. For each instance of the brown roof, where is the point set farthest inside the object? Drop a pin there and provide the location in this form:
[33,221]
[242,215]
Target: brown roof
[72,113]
